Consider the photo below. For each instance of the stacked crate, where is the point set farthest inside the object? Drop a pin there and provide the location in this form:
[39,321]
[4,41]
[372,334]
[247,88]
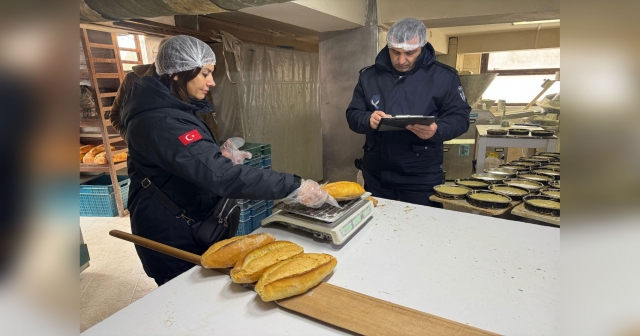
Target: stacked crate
[253,211]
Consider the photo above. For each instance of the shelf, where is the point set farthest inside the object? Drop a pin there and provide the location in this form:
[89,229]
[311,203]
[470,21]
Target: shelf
[105,60]
[96,168]
[107,75]
[102,46]
[106,95]
[93,122]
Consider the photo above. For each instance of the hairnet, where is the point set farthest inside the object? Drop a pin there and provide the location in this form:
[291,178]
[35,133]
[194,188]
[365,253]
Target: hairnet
[402,33]
[182,53]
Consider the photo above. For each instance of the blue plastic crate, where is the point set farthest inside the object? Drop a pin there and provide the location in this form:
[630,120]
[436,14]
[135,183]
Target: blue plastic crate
[246,205]
[266,160]
[269,204]
[97,198]
[269,212]
[257,208]
[245,215]
[244,228]
[256,163]
[257,219]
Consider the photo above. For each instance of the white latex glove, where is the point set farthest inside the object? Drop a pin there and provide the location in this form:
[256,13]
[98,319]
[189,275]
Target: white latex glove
[311,194]
[230,150]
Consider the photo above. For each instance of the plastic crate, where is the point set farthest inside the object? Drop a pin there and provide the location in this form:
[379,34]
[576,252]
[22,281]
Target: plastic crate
[245,205]
[256,163]
[257,208]
[269,212]
[245,227]
[269,204]
[266,160]
[245,215]
[266,149]
[97,197]
[257,219]
[254,148]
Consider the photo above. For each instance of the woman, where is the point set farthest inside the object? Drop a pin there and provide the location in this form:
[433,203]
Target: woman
[173,148]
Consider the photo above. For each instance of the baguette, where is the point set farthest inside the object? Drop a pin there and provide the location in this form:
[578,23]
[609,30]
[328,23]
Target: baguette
[84,149]
[344,191]
[101,158]
[294,276]
[252,266]
[91,154]
[226,253]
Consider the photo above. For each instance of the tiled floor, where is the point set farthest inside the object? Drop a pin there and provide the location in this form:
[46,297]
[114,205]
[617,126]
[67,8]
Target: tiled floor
[115,277]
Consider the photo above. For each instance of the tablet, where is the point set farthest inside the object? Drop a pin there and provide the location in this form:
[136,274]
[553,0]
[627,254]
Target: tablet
[399,123]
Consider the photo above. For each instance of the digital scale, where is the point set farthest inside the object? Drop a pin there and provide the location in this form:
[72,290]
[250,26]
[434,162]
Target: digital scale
[326,222]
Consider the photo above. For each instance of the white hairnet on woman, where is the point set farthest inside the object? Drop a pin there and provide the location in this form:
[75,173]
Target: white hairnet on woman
[182,53]
[407,34]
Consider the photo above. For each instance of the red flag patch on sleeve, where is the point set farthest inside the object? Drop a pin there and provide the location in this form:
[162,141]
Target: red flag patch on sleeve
[189,137]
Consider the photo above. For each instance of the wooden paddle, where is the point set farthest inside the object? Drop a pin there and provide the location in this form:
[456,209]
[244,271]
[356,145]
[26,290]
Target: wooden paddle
[341,307]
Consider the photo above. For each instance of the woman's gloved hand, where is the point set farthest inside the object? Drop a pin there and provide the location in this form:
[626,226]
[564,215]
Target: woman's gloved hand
[310,194]
[230,150]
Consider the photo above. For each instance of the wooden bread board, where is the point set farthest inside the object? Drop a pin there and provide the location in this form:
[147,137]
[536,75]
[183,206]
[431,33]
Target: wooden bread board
[341,307]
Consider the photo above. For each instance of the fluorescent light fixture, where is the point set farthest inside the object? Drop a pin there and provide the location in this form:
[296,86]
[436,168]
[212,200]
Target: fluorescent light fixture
[534,22]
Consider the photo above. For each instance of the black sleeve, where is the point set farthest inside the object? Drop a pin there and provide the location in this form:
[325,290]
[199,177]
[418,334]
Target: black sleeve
[202,163]
[358,115]
[454,116]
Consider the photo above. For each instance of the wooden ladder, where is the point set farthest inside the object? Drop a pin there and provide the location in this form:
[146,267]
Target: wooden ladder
[107,66]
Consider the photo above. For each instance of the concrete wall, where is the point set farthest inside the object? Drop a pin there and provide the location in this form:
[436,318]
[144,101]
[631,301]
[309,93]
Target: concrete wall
[351,10]
[508,41]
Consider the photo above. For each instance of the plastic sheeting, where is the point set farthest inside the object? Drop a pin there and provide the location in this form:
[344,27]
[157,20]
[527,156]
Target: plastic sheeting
[275,101]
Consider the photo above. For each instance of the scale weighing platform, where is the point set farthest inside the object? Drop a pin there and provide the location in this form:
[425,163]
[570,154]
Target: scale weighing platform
[326,222]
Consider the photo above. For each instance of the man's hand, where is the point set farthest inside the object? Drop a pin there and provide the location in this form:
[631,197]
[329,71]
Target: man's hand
[423,132]
[374,121]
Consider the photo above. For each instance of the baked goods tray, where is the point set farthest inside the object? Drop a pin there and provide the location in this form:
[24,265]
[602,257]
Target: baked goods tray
[520,136]
[326,213]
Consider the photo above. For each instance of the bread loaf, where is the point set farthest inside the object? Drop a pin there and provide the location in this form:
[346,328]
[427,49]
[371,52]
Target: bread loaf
[91,154]
[84,149]
[226,253]
[294,276]
[101,158]
[250,268]
[344,191]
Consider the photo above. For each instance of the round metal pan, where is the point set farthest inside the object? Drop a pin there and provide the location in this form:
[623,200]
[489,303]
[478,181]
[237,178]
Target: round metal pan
[439,189]
[555,184]
[486,177]
[542,133]
[553,193]
[541,209]
[462,182]
[514,196]
[538,160]
[532,186]
[514,167]
[507,173]
[494,131]
[551,166]
[518,131]
[542,158]
[554,174]
[528,164]
[485,204]
[552,154]
[537,177]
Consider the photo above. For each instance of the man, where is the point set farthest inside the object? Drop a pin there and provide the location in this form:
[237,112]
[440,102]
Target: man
[406,79]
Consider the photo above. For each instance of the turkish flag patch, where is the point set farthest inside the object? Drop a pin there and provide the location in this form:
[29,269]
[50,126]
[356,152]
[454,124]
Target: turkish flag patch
[189,137]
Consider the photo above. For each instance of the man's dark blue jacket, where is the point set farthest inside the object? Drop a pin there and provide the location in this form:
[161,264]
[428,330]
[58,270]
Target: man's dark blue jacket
[400,159]
[193,174]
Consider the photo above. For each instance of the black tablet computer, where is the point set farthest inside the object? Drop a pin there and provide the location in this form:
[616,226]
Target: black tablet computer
[399,123]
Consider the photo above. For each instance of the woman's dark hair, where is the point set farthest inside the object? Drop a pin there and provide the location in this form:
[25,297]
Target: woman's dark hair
[179,88]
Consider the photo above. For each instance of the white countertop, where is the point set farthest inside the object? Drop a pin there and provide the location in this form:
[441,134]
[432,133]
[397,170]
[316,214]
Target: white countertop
[494,274]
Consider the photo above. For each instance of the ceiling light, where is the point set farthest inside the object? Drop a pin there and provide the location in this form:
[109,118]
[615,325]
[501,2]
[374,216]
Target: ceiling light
[534,22]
